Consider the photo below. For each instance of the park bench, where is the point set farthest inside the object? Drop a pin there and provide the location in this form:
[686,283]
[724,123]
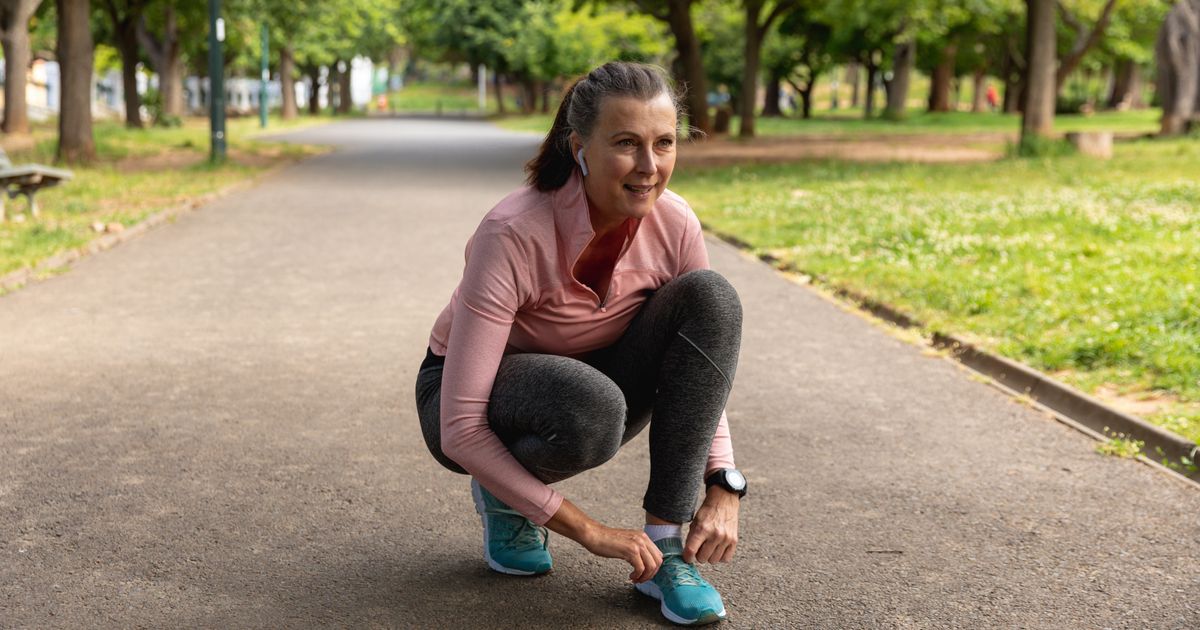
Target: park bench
[26,179]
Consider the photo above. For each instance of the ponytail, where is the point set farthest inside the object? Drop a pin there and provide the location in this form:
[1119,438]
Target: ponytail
[552,166]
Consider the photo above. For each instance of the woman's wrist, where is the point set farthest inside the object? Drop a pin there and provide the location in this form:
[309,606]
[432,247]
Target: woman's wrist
[572,522]
[717,494]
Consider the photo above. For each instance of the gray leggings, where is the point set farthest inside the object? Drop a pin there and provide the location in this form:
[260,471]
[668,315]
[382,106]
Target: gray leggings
[672,369]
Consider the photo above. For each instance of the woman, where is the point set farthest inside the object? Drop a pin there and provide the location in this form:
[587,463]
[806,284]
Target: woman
[587,312]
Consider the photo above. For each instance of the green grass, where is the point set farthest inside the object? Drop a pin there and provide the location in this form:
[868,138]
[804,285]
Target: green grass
[454,98]
[138,172]
[1086,269]
[850,123]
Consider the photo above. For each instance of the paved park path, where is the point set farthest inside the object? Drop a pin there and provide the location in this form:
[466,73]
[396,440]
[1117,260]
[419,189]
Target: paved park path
[212,426]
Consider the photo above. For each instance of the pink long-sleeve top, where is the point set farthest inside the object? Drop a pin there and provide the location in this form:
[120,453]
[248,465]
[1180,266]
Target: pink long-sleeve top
[518,294]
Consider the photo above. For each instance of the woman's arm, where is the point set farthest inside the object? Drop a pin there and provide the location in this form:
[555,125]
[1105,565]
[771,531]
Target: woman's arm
[630,545]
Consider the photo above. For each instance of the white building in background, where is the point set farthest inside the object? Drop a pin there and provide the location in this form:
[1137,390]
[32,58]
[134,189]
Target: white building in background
[44,89]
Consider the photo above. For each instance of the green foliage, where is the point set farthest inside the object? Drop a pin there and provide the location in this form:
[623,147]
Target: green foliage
[153,102]
[1121,447]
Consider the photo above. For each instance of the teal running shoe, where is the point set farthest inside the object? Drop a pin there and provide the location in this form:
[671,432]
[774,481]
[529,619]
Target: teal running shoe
[687,599]
[512,544]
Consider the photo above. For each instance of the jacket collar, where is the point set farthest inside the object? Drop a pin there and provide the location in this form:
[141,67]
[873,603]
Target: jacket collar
[573,223]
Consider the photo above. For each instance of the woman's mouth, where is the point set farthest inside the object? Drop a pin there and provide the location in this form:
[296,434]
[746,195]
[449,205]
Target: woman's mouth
[640,191]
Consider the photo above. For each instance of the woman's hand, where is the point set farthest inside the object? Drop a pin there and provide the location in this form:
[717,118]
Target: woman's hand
[713,534]
[630,545]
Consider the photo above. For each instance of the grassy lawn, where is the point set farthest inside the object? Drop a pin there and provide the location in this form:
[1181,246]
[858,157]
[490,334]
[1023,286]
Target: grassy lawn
[455,98]
[138,172]
[851,123]
[1088,270]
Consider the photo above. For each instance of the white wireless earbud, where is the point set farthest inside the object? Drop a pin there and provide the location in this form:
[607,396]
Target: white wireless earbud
[582,162]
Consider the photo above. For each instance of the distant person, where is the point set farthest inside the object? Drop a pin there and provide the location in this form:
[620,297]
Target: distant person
[993,98]
[586,313]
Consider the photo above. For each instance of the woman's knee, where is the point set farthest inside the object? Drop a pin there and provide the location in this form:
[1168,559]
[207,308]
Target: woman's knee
[579,413]
[708,292]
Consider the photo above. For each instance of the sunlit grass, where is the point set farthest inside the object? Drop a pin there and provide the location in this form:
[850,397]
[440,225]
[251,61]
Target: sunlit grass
[851,123]
[138,172]
[1089,269]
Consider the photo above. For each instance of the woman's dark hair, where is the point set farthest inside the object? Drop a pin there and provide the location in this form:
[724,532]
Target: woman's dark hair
[579,110]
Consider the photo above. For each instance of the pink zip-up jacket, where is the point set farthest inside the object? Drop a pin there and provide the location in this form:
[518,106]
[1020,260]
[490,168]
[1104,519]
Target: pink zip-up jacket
[518,294]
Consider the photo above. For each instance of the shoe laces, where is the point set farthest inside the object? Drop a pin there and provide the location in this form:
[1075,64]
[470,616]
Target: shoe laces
[523,533]
[681,573]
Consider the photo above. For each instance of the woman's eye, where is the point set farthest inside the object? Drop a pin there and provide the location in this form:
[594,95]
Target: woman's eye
[666,143]
[626,143]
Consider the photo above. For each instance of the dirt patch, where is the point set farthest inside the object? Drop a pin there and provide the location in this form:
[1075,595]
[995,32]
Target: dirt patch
[924,148]
[1139,404]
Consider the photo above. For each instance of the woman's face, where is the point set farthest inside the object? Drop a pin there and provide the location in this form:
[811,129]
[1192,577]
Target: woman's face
[630,156]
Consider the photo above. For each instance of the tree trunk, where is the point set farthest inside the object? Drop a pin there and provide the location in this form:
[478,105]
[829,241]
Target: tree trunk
[752,60]
[1124,78]
[771,101]
[127,44]
[166,60]
[943,76]
[545,98]
[869,93]
[687,46]
[902,65]
[14,38]
[806,99]
[978,100]
[497,87]
[1040,88]
[287,82]
[314,97]
[529,100]
[345,100]
[75,141]
[852,79]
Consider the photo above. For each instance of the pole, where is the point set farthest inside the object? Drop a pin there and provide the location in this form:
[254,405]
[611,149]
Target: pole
[266,77]
[216,80]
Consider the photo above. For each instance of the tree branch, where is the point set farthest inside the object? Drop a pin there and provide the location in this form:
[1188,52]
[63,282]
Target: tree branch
[1082,44]
[648,9]
[777,11]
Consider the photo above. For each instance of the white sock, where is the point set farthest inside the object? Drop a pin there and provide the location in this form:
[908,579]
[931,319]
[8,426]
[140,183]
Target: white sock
[659,532]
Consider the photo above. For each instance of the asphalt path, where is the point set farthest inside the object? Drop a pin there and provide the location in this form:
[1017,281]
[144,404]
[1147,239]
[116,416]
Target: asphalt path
[213,426]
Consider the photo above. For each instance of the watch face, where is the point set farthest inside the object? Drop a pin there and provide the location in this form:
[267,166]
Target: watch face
[735,480]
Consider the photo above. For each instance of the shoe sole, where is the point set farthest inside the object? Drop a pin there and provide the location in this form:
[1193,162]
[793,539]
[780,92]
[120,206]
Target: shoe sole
[650,589]
[480,507]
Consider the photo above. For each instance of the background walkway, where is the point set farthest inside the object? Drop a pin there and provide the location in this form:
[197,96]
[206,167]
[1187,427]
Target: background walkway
[213,425]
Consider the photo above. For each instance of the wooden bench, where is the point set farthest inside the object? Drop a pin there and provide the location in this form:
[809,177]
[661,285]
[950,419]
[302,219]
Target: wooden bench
[27,179]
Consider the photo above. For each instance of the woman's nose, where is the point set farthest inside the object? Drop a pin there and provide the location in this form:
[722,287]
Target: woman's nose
[646,162]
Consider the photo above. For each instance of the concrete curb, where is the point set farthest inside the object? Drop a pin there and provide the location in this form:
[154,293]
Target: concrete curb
[14,280]
[1065,403]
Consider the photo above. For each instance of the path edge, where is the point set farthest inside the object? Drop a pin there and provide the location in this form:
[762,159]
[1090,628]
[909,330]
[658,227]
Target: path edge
[15,280]
[1072,407]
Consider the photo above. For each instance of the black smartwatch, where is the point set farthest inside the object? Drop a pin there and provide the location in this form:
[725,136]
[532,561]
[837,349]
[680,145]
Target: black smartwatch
[728,478]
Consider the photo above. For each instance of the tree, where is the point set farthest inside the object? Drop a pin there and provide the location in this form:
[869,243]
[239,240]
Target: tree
[1178,52]
[75,56]
[161,38]
[1085,39]
[14,35]
[124,16]
[865,32]
[799,54]
[678,16]
[1040,88]
[757,28]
